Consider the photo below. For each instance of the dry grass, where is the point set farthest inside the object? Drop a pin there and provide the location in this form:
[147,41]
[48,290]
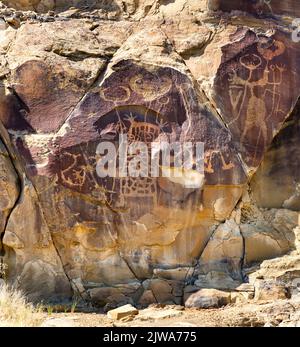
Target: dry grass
[15,311]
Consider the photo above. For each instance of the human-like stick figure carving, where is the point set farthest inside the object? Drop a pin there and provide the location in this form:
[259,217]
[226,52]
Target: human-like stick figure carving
[256,114]
[269,52]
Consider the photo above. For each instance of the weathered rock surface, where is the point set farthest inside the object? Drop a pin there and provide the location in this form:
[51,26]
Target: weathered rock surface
[269,290]
[222,255]
[284,270]
[31,256]
[179,71]
[208,298]
[276,183]
[156,314]
[260,8]
[68,322]
[122,312]
[263,242]
[9,189]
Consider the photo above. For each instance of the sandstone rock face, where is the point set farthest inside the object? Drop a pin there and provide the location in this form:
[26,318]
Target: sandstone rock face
[260,8]
[208,298]
[235,86]
[180,71]
[223,252]
[276,183]
[47,5]
[32,257]
[9,189]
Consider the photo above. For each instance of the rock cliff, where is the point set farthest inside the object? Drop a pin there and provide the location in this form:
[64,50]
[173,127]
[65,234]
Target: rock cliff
[78,73]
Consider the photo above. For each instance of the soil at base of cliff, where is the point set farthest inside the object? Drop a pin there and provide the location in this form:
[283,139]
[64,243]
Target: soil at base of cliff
[279,313]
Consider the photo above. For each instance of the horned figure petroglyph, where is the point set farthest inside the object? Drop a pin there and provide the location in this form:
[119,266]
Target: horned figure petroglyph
[142,131]
[256,110]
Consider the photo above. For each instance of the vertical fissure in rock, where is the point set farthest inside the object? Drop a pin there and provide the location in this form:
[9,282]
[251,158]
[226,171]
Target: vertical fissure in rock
[72,283]
[20,188]
[243,277]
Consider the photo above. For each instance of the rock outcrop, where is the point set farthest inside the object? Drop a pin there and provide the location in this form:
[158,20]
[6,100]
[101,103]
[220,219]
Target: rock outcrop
[174,71]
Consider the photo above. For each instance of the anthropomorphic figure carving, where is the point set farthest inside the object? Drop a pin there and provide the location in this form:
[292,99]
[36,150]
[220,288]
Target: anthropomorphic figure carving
[256,111]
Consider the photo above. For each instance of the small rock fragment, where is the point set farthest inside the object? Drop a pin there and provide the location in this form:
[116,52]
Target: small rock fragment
[122,312]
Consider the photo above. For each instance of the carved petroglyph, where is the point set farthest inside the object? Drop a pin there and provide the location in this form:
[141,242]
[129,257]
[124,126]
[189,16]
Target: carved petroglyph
[74,174]
[261,4]
[242,91]
[140,131]
[139,187]
[268,53]
[150,89]
[138,128]
[210,155]
[268,3]
[79,171]
[117,94]
[122,111]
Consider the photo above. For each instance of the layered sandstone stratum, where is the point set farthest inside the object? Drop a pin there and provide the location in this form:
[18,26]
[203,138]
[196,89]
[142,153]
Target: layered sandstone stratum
[75,73]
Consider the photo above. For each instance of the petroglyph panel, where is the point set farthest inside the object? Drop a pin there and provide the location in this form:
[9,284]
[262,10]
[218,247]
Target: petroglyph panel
[256,89]
[147,104]
[150,103]
[262,7]
[70,85]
